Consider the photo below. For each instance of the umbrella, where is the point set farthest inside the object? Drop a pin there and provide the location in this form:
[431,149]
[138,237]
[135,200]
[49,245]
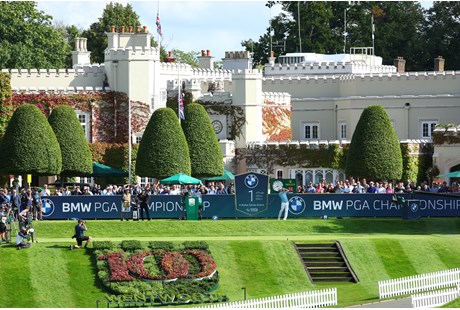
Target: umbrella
[226,176]
[453,174]
[100,170]
[180,178]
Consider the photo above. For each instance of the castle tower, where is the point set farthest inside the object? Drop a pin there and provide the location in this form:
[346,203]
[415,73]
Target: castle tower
[133,66]
[247,94]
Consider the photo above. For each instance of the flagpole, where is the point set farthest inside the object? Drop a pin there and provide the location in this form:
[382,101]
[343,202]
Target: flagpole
[178,91]
[158,32]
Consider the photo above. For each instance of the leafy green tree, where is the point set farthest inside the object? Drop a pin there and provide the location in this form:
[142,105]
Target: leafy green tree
[441,33]
[28,38]
[205,153]
[190,58]
[115,14]
[76,156]
[163,150]
[398,30]
[29,145]
[374,151]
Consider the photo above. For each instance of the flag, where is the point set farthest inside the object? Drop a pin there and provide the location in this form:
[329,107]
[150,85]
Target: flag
[181,107]
[159,25]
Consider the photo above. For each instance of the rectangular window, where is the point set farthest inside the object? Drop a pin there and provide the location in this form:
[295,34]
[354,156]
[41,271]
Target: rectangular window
[311,131]
[426,129]
[279,174]
[83,118]
[137,138]
[342,131]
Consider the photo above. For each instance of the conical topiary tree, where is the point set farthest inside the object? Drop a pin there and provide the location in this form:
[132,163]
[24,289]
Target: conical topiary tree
[163,150]
[76,156]
[205,153]
[374,151]
[29,145]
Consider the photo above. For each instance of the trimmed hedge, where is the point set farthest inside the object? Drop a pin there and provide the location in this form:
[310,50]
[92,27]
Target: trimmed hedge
[374,151]
[30,145]
[161,245]
[76,156]
[205,152]
[163,150]
[103,245]
[131,245]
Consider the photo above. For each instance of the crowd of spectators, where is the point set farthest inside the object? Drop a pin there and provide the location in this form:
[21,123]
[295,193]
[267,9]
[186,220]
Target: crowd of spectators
[211,188]
[383,187]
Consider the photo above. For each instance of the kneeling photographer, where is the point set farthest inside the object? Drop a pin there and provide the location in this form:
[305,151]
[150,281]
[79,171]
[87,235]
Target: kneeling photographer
[23,235]
[80,235]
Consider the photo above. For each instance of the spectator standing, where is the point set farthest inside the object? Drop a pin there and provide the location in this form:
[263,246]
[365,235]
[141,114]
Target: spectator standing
[143,199]
[231,189]
[221,189]
[371,189]
[37,205]
[125,205]
[45,191]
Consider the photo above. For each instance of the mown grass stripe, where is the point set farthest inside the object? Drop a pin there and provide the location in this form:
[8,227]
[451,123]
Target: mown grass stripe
[49,276]
[254,269]
[423,256]
[15,283]
[394,258]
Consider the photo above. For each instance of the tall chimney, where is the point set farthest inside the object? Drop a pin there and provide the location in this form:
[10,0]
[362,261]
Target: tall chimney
[439,64]
[400,64]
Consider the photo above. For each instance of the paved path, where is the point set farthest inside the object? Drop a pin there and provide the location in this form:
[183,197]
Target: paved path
[395,303]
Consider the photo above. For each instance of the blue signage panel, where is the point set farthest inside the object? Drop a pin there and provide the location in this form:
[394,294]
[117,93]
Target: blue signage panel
[251,193]
[223,206]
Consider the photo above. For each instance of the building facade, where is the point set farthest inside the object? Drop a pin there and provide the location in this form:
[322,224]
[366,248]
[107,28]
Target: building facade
[303,99]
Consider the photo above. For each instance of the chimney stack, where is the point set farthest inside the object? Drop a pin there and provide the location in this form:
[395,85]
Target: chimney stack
[439,64]
[206,61]
[400,64]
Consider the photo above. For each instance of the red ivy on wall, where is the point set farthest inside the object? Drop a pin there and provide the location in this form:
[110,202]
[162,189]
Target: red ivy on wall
[108,110]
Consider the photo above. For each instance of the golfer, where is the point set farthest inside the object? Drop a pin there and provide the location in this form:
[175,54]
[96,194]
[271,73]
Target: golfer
[284,203]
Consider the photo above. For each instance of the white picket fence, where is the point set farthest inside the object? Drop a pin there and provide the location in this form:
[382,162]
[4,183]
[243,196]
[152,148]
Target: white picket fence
[435,299]
[311,299]
[419,283]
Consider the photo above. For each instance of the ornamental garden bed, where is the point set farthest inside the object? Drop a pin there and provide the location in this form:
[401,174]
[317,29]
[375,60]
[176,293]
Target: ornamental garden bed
[156,267]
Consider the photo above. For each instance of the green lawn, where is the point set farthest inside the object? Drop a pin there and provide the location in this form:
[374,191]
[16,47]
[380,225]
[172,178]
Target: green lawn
[255,254]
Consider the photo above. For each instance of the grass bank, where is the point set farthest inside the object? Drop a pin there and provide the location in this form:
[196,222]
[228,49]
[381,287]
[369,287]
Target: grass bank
[255,254]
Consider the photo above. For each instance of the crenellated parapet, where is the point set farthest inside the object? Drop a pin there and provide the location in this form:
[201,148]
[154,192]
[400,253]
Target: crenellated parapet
[59,90]
[322,68]
[277,98]
[84,76]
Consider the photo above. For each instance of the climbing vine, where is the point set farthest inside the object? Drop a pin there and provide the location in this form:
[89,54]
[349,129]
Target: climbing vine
[109,112]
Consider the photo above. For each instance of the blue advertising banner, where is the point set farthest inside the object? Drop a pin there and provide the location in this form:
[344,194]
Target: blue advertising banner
[224,206]
[251,191]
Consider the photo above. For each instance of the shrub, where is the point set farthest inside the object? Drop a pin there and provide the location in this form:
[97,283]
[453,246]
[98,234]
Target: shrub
[131,245]
[161,245]
[103,245]
[374,151]
[205,152]
[201,245]
[76,156]
[29,145]
[163,150]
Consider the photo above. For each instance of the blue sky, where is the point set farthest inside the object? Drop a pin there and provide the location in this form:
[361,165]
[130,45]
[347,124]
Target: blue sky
[187,25]
[191,25]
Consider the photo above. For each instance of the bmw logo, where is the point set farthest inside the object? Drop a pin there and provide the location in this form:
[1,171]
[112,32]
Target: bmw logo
[296,205]
[414,207]
[47,207]
[251,181]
